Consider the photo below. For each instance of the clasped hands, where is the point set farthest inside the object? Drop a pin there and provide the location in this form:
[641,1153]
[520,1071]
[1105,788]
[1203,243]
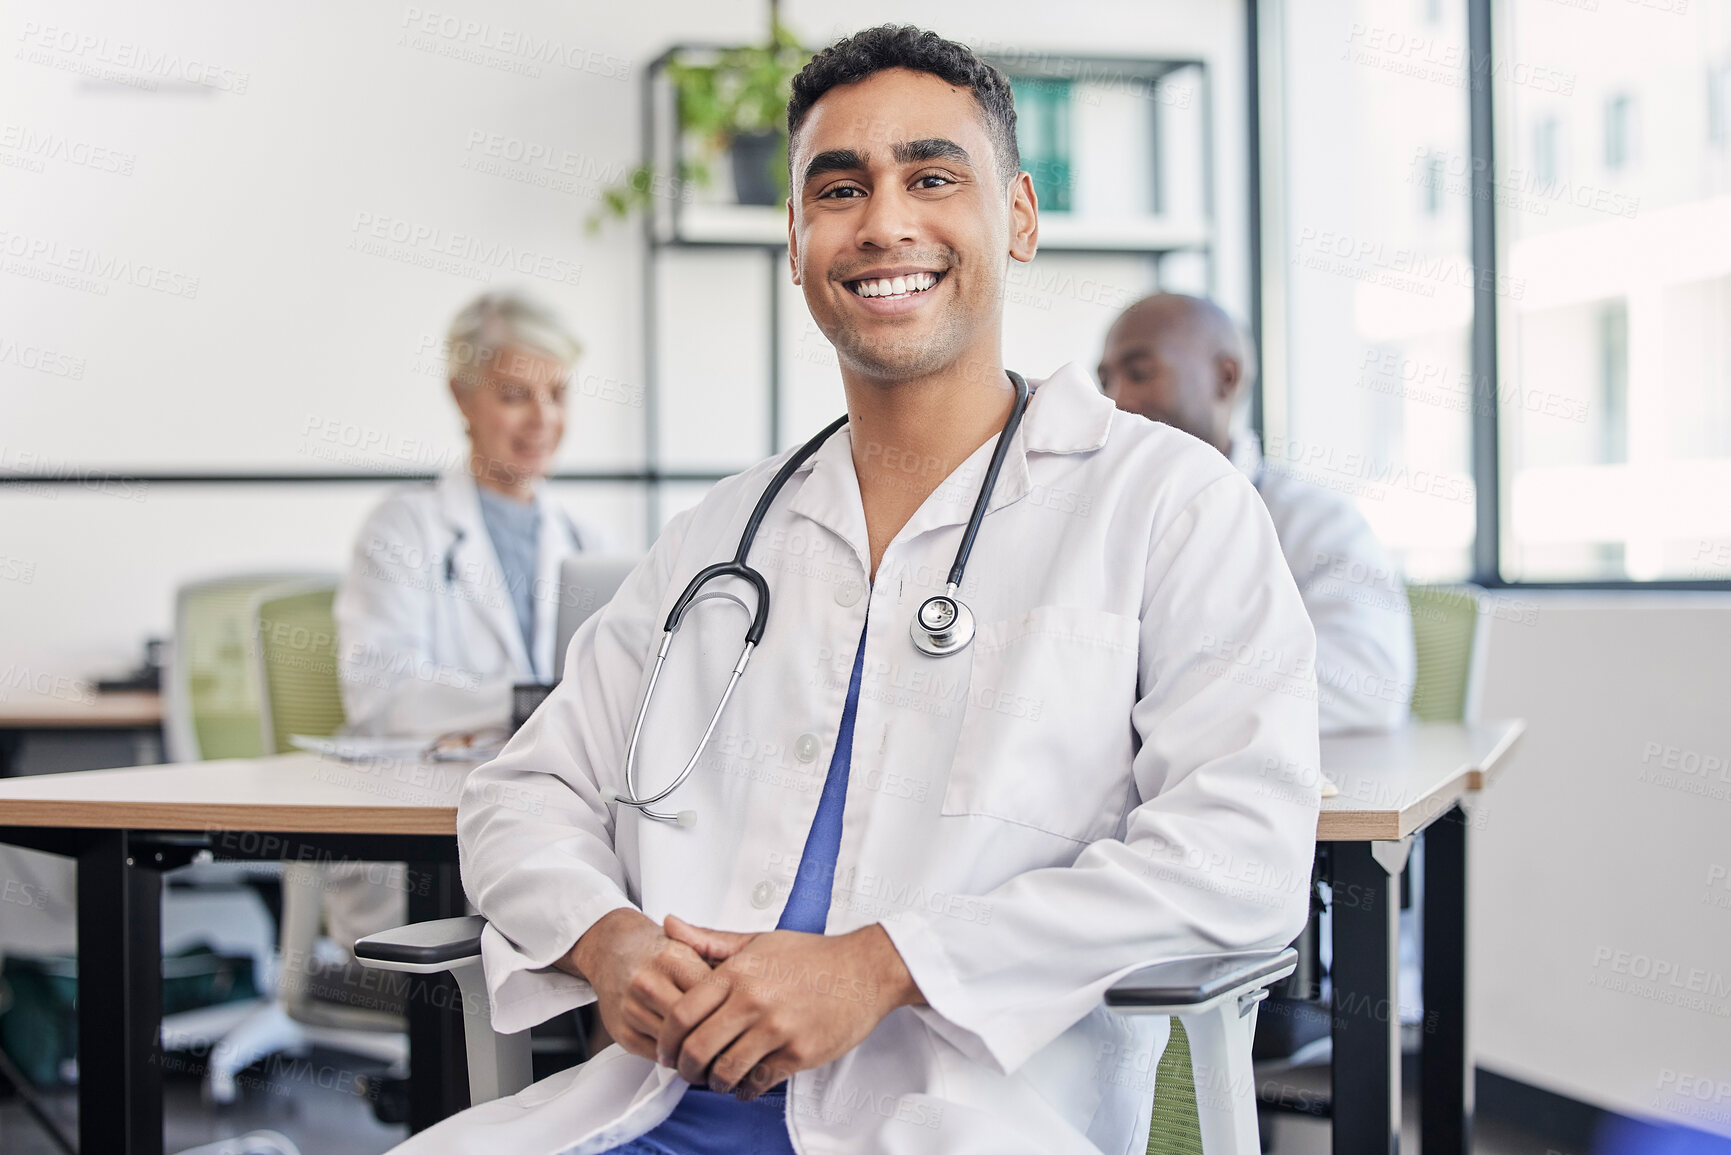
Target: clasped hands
[738,1012]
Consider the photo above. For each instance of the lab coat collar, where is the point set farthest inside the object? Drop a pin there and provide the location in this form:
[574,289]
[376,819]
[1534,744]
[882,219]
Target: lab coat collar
[829,494]
[1066,415]
[476,563]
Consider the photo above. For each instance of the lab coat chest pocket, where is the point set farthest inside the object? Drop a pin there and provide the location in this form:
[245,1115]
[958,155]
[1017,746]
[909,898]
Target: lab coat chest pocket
[1046,738]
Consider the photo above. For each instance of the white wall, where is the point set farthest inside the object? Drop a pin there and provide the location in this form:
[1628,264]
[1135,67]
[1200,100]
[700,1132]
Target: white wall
[237,167]
[1601,862]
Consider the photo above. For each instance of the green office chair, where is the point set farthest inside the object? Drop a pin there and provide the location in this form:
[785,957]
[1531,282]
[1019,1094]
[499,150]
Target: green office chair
[1175,1127]
[211,706]
[1448,634]
[212,700]
[297,663]
[294,652]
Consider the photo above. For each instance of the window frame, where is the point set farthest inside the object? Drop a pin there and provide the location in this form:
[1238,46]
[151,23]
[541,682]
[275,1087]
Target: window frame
[1265,70]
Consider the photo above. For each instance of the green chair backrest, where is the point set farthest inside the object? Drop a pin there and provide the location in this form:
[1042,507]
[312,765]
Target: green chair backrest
[1445,629]
[215,689]
[297,661]
[1176,1129]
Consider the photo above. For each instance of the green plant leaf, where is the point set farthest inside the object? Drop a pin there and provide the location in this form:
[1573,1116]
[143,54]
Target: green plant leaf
[738,90]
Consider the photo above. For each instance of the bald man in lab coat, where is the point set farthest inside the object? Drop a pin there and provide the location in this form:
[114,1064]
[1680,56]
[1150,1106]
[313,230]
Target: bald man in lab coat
[1182,361]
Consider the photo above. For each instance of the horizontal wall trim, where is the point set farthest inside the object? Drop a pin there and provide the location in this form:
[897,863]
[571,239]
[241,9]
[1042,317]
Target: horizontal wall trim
[93,477]
[1634,586]
[100,476]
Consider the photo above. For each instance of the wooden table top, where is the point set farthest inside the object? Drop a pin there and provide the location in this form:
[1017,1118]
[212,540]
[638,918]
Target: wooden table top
[297,792]
[1390,785]
[1394,783]
[81,711]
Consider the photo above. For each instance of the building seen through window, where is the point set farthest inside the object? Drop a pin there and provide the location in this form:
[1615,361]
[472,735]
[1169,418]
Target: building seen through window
[1615,397]
[1611,186]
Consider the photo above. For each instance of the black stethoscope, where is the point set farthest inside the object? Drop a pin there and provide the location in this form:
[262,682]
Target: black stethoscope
[943,624]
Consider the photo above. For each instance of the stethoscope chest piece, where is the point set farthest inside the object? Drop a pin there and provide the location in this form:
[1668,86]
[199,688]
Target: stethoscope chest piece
[942,626]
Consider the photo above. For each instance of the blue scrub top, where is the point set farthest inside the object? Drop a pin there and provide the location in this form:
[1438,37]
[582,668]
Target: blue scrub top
[515,527]
[703,1122]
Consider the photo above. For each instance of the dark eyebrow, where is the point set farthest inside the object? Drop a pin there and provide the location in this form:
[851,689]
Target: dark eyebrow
[836,160]
[932,148]
[904,152]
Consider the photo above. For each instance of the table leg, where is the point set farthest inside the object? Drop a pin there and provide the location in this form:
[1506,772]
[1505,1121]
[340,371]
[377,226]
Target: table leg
[438,1076]
[1366,1030]
[119,999]
[1445,1062]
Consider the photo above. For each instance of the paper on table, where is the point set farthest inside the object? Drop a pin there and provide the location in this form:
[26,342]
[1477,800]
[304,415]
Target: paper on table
[458,746]
[359,749]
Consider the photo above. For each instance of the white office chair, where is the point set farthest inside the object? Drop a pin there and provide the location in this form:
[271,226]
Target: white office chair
[1214,997]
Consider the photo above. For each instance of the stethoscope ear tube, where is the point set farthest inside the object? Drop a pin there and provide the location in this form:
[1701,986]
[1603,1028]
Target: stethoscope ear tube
[631,797]
[759,617]
[999,451]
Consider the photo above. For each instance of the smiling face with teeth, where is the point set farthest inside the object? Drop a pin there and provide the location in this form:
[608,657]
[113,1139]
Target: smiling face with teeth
[900,229]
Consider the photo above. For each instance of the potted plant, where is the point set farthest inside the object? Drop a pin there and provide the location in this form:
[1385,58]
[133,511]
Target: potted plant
[735,102]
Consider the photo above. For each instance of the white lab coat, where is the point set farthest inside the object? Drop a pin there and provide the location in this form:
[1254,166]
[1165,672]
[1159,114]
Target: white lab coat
[429,638]
[1120,769]
[429,643]
[1352,590]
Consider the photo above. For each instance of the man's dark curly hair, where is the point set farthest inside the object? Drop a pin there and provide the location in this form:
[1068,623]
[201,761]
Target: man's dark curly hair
[888,46]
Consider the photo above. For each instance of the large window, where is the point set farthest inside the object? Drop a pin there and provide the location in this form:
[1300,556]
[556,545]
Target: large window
[1609,180]
[1368,287]
[1613,186]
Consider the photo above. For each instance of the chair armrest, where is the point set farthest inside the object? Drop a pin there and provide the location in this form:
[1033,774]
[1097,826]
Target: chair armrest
[499,1065]
[424,947]
[1215,998]
[1193,985]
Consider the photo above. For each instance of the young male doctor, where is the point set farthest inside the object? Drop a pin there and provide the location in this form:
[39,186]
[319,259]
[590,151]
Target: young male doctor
[908,878]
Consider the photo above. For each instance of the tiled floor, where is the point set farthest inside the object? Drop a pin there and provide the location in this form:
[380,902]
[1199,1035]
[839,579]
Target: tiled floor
[311,1102]
[1298,1135]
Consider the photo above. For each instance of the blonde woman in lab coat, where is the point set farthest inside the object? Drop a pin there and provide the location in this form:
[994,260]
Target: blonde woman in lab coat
[452,593]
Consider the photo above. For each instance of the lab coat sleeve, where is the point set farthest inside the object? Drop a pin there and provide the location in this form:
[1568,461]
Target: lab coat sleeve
[392,681]
[534,836]
[1216,855]
[1357,603]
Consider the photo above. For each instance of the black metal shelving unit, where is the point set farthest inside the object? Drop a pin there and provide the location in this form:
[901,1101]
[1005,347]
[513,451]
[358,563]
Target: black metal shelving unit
[668,225]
